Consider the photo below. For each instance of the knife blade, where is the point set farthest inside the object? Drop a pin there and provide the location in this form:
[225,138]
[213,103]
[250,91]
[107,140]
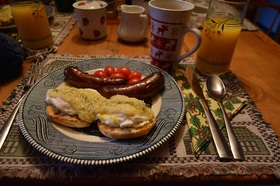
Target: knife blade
[222,147]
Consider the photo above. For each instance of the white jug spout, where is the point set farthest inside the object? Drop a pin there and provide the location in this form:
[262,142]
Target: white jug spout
[123,7]
[133,9]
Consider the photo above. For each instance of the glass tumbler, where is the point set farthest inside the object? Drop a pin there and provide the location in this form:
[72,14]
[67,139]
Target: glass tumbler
[32,23]
[220,34]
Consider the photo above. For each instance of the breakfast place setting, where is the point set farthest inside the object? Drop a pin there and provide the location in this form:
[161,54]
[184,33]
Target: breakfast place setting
[153,92]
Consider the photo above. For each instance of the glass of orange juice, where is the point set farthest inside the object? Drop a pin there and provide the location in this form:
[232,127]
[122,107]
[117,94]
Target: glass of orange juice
[220,33]
[32,23]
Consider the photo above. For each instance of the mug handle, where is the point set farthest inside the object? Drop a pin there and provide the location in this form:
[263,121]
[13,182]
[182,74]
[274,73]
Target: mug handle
[145,22]
[197,34]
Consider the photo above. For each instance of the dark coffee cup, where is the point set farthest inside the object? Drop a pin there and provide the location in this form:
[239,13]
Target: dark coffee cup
[64,6]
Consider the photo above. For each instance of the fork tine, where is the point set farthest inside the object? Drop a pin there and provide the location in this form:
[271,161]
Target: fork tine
[30,76]
[35,74]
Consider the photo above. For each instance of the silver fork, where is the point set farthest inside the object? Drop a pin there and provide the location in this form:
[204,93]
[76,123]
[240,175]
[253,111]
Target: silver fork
[34,74]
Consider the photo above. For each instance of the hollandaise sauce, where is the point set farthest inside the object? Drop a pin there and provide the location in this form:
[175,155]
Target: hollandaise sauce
[89,105]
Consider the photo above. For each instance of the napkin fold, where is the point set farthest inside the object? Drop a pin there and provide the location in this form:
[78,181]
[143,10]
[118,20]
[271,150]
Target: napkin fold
[196,120]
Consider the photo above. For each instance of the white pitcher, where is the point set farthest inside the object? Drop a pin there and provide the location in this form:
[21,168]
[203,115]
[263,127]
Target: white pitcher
[134,23]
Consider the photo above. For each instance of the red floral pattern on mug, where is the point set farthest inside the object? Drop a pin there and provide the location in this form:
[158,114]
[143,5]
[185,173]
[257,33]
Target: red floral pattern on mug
[85,21]
[102,20]
[96,33]
[81,31]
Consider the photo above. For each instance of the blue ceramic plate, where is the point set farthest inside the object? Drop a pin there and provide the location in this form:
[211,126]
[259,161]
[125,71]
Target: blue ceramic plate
[49,10]
[88,146]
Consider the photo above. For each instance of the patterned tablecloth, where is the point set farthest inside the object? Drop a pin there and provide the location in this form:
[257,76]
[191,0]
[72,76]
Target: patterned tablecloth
[61,24]
[175,158]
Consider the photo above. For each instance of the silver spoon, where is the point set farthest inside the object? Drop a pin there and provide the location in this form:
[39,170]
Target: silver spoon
[216,89]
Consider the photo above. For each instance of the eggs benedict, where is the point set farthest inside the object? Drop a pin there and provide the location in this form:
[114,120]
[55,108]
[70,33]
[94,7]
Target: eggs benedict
[119,117]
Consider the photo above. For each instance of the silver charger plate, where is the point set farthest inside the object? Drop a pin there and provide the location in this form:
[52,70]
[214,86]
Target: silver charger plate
[88,146]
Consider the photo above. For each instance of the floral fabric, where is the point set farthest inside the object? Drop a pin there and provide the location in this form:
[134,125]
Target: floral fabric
[198,128]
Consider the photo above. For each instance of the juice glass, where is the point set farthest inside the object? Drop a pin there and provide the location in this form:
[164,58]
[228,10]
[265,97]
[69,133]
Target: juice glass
[220,34]
[32,24]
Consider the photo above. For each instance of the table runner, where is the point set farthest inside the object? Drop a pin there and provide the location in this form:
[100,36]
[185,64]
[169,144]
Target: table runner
[61,24]
[174,158]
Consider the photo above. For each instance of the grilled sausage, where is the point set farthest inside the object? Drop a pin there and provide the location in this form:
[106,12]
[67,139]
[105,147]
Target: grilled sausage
[82,79]
[143,89]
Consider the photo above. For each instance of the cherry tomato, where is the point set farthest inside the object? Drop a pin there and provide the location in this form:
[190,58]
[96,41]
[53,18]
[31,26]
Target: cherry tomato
[100,73]
[125,71]
[109,70]
[117,75]
[133,80]
[135,74]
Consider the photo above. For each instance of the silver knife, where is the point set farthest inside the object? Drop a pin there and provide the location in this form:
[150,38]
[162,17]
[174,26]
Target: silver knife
[222,147]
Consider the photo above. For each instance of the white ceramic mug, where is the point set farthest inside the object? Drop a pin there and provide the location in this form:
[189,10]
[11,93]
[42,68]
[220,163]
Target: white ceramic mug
[134,23]
[169,21]
[91,18]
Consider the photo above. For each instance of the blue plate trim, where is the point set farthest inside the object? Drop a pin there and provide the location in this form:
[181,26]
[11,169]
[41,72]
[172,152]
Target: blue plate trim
[44,137]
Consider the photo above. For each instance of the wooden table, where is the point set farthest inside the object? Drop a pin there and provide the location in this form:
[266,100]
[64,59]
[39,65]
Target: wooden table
[255,63]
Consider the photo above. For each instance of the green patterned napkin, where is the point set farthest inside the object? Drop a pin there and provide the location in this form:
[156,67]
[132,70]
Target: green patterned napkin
[195,116]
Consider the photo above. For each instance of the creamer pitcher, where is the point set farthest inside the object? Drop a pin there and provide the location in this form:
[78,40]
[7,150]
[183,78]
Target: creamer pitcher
[134,23]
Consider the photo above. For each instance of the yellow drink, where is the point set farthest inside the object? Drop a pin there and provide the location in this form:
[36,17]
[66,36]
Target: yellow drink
[219,38]
[32,24]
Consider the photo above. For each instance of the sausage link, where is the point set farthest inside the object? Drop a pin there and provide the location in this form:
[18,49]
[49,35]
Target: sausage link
[82,79]
[143,89]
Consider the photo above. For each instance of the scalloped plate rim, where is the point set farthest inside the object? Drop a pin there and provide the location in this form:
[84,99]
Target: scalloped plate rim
[84,161]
